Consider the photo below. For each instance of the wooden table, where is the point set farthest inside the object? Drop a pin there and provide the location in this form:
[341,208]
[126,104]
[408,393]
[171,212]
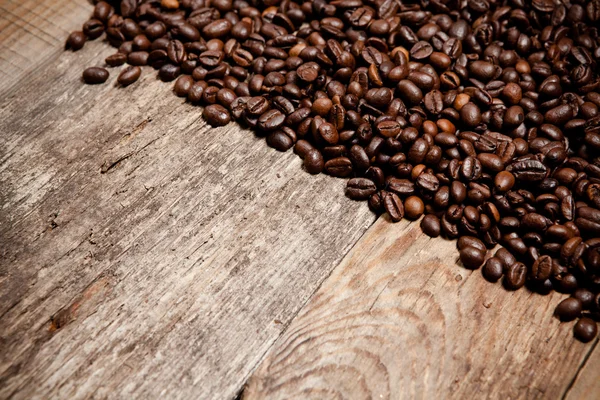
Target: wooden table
[145,255]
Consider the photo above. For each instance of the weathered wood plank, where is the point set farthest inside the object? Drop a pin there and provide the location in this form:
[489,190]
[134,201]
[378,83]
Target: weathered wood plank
[32,31]
[144,254]
[586,385]
[399,319]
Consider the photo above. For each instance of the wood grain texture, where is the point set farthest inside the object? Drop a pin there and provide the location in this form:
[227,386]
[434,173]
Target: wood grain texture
[586,384]
[400,319]
[144,254]
[32,31]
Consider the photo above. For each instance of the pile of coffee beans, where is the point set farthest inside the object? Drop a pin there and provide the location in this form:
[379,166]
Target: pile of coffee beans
[481,115]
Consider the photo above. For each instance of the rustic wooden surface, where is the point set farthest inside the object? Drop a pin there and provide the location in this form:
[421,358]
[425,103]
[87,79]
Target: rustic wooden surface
[145,255]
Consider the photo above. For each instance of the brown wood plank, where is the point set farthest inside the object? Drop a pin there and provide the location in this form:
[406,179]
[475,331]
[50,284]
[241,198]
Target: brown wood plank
[586,385]
[144,254]
[32,31]
[400,319]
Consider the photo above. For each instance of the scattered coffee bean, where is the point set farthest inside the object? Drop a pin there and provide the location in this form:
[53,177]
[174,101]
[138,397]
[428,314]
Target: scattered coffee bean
[95,75]
[129,75]
[568,309]
[585,329]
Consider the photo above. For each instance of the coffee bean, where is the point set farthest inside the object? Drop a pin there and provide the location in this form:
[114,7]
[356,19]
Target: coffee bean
[413,207]
[129,75]
[493,269]
[504,181]
[360,188]
[393,206]
[472,257]
[76,41]
[95,75]
[313,162]
[470,115]
[339,167]
[542,268]
[216,115]
[515,276]
[421,50]
[116,60]
[470,241]
[568,309]
[430,224]
[585,329]
[271,120]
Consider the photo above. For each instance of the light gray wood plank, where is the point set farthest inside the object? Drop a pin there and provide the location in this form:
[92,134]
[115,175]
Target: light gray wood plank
[171,273]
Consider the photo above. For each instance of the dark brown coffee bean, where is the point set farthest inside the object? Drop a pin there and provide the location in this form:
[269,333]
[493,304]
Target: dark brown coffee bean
[313,162]
[472,257]
[129,75]
[568,309]
[428,182]
[169,72]
[217,29]
[430,224]
[339,167]
[470,241]
[493,269]
[216,115]
[95,75]
[433,102]
[282,140]
[116,60]
[515,276]
[360,188]
[76,41]
[529,170]
[585,329]
[413,207]
[421,50]
[271,120]
[393,206]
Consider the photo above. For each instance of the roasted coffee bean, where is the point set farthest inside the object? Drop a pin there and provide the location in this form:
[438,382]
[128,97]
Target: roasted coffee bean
[493,269]
[339,167]
[76,41]
[182,85]
[282,140]
[472,257]
[313,162]
[413,207]
[393,206]
[271,120]
[430,224]
[116,60]
[585,329]
[95,75]
[568,309]
[360,188]
[515,276]
[216,115]
[129,75]
[470,241]
[421,50]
